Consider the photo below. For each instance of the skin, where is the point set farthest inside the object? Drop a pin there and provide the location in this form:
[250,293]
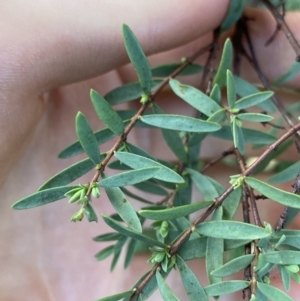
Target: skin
[51,55]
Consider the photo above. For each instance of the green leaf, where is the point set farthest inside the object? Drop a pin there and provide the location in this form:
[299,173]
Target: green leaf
[75,148]
[244,88]
[273,293]
[289,75]
[235,11]
[225,63]
[250,135]
[286,175]
[231,203]
[285,276]
[87,138]
[283,257]
[90,213]
[206,188]
[108,237]
[180,123]
[231,93]
[43,197]
[138,59]
[226,287]
[136,161]
[193,288]
[130,252]
[252,100]
[131,233]
[135,196]
[165,290]
[195,98]
[231,230]
[238,138]
[215,94]
[193,249]
[175,212]
[128,92]
[255,117]
[167,70]
[218,116]
[150,187]
[103,254]
[278,195]
[172,139]
[233,266]
[123,208]
[69,174]
[107,114]
[214,251]
[130,177]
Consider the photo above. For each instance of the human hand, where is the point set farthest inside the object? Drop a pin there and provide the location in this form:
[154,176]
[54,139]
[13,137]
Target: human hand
[44,47]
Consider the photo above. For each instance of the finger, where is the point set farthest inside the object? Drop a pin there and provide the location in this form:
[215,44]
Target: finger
[60,42]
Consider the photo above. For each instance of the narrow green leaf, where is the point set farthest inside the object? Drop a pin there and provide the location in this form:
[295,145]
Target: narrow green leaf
[231,230]
[233,266]
[135,196]
[175,212]
[138,59]
[289,75]
[43,197]
[225,63]
[231,93]
[235,11]
[123,208]
[108,237]
[218,116]
[273,293]
[128,92]
[238,138]
[69,174]
[165,290]
[215,94]
[103,254]
[90,213]
[226,287]
[285,276]
[193,249]
[206,188]
[172,139]
[167,70]
[75,148]
[287,174]
[283,257]
[195,98]
[130,252]
[231,203]
[250,135]
[278,195]
[193,288]
[107,114]
[130,177]
[180,123]
[252,100]
[117,296]
[244,88]
[131,233]
[214,251]
[87,138]
[255,117]
[136,161]
[152,188]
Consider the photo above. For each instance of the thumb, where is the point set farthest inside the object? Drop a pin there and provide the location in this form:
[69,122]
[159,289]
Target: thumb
[61,42]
